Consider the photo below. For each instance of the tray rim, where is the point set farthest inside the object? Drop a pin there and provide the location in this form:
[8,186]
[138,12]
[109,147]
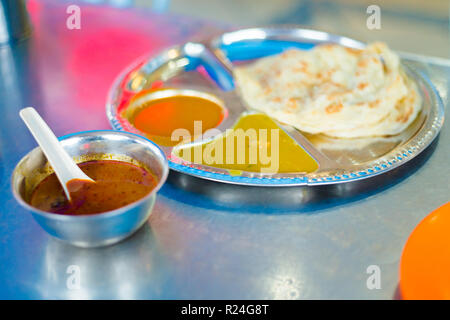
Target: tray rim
[403,153]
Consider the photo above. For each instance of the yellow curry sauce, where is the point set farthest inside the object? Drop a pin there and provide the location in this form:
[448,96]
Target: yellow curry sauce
[255,144]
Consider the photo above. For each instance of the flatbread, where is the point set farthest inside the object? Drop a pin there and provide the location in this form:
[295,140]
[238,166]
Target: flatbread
[333,90]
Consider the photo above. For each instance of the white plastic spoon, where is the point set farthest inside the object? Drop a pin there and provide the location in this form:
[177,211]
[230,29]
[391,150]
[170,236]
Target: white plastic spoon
[63,165]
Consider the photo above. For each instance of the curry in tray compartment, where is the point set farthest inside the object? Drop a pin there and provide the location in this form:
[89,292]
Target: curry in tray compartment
[254,144]
[159,117]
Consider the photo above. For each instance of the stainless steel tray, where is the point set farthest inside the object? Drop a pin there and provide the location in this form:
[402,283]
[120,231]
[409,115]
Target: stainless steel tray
[207,66]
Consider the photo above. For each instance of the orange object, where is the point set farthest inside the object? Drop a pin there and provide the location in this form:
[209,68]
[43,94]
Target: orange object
[425,262]
[159,118]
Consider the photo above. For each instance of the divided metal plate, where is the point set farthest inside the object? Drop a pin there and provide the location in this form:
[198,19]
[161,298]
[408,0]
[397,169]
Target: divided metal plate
[207,66]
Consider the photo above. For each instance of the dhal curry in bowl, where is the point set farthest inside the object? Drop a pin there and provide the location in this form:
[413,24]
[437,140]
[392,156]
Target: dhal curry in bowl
[127,169]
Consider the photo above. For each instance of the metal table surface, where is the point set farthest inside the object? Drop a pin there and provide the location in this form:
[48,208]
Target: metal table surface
[194,246]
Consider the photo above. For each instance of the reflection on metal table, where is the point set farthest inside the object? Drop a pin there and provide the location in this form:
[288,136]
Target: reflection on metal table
[204,240]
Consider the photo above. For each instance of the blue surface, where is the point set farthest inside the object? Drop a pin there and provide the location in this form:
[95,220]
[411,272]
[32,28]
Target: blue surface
[247,50]
[194,246]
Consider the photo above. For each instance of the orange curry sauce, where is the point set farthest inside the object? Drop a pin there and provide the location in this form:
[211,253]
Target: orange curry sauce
[159,118]
[117,184]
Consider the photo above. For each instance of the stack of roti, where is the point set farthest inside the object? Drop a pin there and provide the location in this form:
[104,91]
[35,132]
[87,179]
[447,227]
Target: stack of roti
[333,90]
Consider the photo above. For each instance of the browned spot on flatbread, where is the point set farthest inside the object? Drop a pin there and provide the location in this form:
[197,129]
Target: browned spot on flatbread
[333,108]
[352,51]
[325,75]
[276,99]
[362,85]
[374,104]
[404,117]
[291,104]
[328,46]
[362,63]
[336,95]
[302,67]
[287,53]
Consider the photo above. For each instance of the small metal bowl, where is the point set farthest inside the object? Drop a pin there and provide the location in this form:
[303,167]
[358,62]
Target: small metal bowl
[103,228]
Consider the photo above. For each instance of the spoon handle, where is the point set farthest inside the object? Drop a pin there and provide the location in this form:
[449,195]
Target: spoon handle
[63,165]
